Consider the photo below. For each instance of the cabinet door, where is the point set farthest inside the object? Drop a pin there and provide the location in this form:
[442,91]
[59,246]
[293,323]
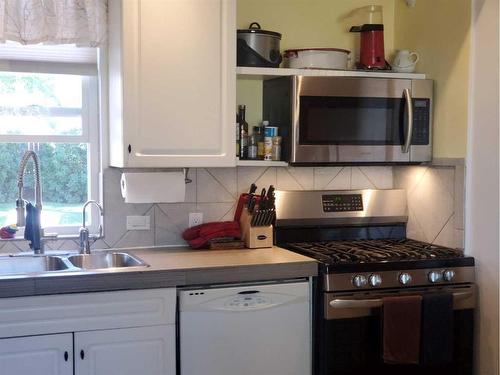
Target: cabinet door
[40,355]
[179,82]
[132,351]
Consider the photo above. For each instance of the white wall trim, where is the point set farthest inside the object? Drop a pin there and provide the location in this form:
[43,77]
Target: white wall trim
[482,179]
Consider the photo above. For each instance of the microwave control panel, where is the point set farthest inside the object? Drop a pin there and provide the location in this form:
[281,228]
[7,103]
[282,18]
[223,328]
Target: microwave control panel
[342,202]
[421,121]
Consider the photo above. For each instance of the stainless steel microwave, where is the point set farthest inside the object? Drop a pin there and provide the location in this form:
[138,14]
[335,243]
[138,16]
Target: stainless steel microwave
[328,120]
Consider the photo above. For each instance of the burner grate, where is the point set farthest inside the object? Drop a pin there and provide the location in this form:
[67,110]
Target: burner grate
[375,251]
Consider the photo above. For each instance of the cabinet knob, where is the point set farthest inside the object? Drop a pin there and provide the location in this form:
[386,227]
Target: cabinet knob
[66,356]
[82,354]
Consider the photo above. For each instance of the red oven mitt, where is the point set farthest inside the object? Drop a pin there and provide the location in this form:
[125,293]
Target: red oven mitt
[199,235]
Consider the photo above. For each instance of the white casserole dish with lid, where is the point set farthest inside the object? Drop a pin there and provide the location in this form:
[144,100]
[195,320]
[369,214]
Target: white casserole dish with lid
[317,58]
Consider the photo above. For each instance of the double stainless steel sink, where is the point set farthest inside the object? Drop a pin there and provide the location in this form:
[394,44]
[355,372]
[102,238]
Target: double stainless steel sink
[40,264]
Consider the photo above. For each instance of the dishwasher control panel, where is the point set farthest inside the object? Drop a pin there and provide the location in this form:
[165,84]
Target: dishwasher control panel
[244,302]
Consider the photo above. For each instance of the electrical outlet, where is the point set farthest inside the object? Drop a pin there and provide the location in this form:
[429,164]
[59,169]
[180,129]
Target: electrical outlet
[138,222]
[195,218]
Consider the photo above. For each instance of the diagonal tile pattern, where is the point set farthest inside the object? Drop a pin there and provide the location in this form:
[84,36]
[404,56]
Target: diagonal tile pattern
[434,214]
[433,194]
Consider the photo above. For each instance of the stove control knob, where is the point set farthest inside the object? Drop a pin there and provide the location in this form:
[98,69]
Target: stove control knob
[448,275]
[375,280]
[404,278]
[359,281]
[435,276]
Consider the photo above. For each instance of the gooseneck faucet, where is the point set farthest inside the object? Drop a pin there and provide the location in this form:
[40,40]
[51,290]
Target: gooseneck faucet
[84,231]
[20,203]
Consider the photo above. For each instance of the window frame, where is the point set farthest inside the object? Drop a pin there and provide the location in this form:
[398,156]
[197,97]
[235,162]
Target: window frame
[90,136]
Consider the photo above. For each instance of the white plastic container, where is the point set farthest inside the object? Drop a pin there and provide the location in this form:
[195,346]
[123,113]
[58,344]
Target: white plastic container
[317,58]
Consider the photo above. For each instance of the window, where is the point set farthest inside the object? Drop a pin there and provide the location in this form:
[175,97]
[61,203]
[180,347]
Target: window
[50,107]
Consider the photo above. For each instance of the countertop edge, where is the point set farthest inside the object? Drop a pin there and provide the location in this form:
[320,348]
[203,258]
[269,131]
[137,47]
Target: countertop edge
[158,277]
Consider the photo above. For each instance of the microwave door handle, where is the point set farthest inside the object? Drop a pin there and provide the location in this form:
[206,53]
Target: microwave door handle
[372,303]
[409,131]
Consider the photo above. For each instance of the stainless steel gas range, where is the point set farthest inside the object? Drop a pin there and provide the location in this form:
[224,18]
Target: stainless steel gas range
[359,240]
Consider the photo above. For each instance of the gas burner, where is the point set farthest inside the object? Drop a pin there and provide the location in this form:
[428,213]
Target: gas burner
[374,251]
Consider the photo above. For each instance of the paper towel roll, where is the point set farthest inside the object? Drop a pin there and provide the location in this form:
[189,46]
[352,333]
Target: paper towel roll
[153,187]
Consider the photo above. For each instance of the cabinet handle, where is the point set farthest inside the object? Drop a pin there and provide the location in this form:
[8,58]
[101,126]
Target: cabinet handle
[66,356]
[82,354]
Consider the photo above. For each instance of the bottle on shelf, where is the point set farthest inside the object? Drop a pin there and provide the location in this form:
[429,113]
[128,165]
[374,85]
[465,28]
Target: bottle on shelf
[258,131]
[237,136]
[243,132]
[276,150]
[269,133]
[252,147]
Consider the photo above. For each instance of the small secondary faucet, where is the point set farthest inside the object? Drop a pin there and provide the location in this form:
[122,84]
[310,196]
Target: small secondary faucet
[20,203]
[84,231]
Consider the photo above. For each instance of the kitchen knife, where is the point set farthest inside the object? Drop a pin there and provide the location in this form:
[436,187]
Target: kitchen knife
[251,203]
[270,192]
[250,196]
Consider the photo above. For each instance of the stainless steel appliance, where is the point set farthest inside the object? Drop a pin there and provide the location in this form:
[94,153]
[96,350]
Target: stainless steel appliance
[325,120]
[257,47]
[359,239]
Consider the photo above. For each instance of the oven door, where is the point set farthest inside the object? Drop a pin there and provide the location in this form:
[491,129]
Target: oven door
[350,335]
[338,119]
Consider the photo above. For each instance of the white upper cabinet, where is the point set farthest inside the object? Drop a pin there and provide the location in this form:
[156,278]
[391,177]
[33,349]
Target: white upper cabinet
[172,83]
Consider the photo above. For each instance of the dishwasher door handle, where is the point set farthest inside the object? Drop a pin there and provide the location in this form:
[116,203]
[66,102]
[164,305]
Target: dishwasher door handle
[378,302]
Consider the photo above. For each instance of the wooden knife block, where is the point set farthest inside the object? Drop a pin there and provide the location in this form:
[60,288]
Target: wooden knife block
[255,237]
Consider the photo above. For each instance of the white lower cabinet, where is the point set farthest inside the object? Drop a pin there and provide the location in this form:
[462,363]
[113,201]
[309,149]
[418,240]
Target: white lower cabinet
[125,333]
[40,355]
[132,351]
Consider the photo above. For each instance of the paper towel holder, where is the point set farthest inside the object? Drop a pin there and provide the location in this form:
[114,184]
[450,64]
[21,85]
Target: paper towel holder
[187,180]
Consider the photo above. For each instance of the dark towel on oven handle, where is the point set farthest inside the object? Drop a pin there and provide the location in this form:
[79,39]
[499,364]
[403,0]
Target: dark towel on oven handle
[401,329]
[437,329]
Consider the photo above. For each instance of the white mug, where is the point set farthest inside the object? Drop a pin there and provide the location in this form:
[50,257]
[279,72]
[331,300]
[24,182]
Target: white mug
[405,61]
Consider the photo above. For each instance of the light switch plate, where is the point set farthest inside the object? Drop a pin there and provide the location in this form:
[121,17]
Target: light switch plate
[138,222]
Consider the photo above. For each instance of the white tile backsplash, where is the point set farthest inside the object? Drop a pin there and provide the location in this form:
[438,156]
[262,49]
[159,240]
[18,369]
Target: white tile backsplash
[435,198]
[435,202]
[332,178]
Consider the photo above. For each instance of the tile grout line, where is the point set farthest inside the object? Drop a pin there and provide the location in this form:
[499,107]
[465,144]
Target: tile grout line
[293,177]
[368,178]
[412,189]
[221,184]
[333,178]
[418,224]
[444,226]
[154,226]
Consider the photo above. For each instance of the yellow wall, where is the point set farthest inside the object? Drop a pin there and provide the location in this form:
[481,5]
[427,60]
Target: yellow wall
[312,23]
[439,32]
[304,23]
[437,29]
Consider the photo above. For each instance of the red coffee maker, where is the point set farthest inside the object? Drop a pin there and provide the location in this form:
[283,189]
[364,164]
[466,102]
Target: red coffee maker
[372,55]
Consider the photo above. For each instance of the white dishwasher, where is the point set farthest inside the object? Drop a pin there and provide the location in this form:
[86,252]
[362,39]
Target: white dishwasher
[246,330]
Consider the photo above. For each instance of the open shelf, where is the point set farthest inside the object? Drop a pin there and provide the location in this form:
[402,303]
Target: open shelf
[260,163]
[268,73]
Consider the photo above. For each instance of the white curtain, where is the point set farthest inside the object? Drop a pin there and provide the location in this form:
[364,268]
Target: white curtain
[80,22]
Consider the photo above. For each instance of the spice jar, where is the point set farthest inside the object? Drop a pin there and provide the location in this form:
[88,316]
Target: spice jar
[276,149]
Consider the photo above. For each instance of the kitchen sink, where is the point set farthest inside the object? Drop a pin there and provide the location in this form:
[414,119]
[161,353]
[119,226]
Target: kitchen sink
[105,261]
[31,264]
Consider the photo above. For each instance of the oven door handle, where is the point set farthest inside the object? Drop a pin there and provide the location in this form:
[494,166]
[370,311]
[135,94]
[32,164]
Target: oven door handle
[372,303]
[409,131]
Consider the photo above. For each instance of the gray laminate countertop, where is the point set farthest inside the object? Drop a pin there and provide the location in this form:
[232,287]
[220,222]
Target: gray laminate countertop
[169,267]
